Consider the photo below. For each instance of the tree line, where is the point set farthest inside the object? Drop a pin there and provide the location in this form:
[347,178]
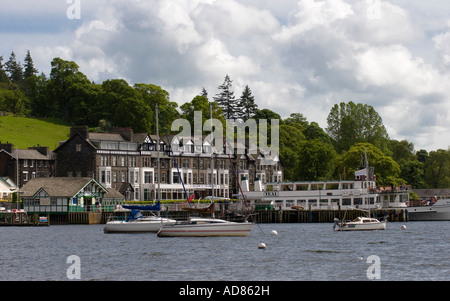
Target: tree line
[307,151]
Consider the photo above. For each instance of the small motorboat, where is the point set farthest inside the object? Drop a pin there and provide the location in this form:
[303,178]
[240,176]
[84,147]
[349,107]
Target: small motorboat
[359,224]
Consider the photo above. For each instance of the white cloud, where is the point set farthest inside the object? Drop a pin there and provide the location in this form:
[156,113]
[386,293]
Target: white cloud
[296,57]
[312,14]
[442,44]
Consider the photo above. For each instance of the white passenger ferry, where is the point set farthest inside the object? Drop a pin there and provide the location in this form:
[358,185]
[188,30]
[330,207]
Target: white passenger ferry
[361,192]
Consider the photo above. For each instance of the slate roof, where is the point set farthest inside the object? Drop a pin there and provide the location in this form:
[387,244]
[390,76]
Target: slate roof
[106,136]
[55,186]
[31,154]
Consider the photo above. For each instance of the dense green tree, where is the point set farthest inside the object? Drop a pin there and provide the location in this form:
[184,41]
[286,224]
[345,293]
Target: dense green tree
[226,100]
[200,103]
[387,170]
[413,173]
[83,101]
[14,100]
[124,106]
[266,114]
[290,150]
[152,95]
[422,155]
[37,87]
[349,123]
[316,160]
[64,74]
[401,151]
[314,131]
[437,169]
[297,120]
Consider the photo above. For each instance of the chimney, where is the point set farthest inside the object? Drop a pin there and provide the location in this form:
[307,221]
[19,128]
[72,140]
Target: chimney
[126,133]
[83,130]
[9,147]
[41,149]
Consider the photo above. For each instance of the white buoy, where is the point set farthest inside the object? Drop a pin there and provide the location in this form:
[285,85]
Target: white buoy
[403,227]
[274,232]
[261,245]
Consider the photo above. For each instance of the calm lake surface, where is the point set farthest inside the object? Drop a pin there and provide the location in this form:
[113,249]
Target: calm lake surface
[300,252]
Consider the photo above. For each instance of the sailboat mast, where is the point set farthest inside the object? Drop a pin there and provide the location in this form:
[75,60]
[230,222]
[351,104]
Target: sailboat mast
[212,162]
[157,149]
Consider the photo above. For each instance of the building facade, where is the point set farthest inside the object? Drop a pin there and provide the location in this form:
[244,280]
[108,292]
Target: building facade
[128,162]
[21,165]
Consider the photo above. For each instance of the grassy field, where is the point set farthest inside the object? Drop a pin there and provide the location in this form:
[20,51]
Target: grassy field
[25,132]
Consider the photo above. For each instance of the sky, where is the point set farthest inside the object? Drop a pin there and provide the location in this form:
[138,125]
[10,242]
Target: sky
[296,56]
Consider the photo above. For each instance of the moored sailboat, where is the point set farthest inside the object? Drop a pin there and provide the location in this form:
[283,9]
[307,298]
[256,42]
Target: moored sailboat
[136,222]
[361,223]
[206,227]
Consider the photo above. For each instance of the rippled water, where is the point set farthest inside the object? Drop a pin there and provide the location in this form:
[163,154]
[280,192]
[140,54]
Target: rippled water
[299,252]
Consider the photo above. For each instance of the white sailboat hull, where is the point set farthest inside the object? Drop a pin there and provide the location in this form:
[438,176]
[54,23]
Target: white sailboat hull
[136,226]
[206,229]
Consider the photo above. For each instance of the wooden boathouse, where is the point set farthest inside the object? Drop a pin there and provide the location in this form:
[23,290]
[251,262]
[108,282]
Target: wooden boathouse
[69,200]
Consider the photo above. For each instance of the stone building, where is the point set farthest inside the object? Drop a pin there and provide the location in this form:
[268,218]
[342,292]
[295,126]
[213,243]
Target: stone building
[127,162]
[34,162]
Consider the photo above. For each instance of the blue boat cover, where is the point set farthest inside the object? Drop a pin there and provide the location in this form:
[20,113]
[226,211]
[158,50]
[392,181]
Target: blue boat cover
[155,207]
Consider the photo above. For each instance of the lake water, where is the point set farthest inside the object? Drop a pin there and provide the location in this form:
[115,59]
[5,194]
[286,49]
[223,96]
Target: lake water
[300,252]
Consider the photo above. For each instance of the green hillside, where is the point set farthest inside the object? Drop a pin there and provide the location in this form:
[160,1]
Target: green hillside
[25,132]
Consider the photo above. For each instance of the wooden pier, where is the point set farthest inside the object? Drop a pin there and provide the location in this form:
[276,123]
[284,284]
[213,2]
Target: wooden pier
[21,218]
[260,216]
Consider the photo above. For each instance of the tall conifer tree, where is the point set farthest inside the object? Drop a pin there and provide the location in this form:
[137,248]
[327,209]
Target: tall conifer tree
[14,69]
[29,66]
[247,104]
[226,100]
